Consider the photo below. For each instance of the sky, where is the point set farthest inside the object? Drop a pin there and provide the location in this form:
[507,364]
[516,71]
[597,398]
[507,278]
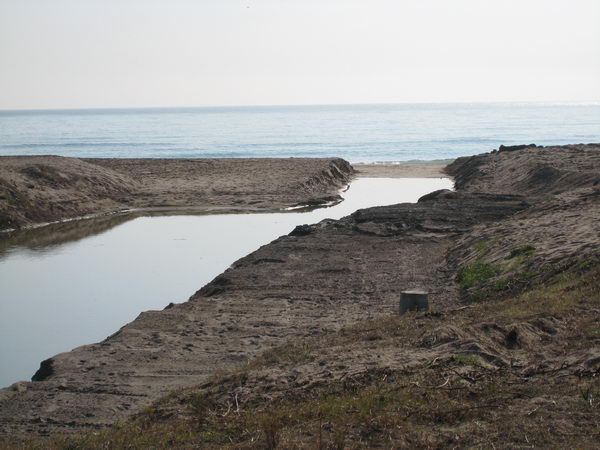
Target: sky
[151,53]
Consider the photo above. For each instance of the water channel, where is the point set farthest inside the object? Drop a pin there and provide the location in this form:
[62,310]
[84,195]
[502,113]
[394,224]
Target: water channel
[74,283]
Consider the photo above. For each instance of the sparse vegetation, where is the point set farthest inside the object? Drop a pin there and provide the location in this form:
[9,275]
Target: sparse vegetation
[553,291]
[8,198]
[476,274]
[480,281]
[483,247]
[457,399]
[465,360]
[291,353]
[522,250]
[512,283]
[590,395]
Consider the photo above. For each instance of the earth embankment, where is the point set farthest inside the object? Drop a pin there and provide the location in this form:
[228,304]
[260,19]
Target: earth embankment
[39,189]
[307,324]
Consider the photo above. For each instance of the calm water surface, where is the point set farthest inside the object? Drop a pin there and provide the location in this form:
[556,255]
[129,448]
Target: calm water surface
[75,283]
[357,133]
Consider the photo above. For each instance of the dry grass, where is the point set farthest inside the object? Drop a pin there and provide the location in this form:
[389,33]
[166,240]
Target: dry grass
[454,401]
[566,292]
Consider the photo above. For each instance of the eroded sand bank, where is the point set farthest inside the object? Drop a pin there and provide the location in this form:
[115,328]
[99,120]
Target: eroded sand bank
[325,276]
[37,189]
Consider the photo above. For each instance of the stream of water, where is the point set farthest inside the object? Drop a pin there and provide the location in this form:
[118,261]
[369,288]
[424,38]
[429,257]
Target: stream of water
[75,283]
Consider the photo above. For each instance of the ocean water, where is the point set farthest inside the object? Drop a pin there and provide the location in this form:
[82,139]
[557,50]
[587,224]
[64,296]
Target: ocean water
[357,133]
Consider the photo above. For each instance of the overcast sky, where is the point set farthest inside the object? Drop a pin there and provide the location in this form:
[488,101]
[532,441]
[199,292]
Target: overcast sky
[121,53]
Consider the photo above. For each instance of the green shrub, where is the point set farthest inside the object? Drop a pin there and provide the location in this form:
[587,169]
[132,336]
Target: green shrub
[483,247]
[465,360]
[476,273]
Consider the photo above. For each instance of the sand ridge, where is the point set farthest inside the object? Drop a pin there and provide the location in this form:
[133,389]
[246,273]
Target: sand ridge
[37,189]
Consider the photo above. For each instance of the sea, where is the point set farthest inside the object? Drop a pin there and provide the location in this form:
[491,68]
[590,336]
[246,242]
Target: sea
[357,133]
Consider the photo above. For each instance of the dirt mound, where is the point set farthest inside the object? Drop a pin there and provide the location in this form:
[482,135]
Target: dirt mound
[36,189]
[507,256]
[529,171]
[254,182]
[39,189]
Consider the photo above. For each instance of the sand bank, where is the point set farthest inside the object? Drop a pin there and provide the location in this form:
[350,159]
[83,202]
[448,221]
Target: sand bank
[526,214]
[38,189]
[402,170]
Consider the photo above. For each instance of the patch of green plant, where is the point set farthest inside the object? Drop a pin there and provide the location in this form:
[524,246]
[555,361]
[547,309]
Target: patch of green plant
[199,401]
[522,250]
[369,406]
[8,198]
[214,437]
[476,274]
[519,262]
[465,360]
[554,294]
[590,396]
[362,402]
[484,246]
[585,265]
[513,283]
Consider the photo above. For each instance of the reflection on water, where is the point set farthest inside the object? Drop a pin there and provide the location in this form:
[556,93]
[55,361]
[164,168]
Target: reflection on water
[46,238]
[74,283]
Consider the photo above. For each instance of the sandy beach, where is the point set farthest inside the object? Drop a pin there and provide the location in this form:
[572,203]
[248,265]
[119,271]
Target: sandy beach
[527,216]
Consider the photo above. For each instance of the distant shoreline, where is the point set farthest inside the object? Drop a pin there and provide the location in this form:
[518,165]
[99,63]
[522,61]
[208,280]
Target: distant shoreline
[95,109]
[407,169]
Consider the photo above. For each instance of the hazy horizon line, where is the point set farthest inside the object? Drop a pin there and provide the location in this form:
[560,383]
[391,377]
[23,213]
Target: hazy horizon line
[123,108]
